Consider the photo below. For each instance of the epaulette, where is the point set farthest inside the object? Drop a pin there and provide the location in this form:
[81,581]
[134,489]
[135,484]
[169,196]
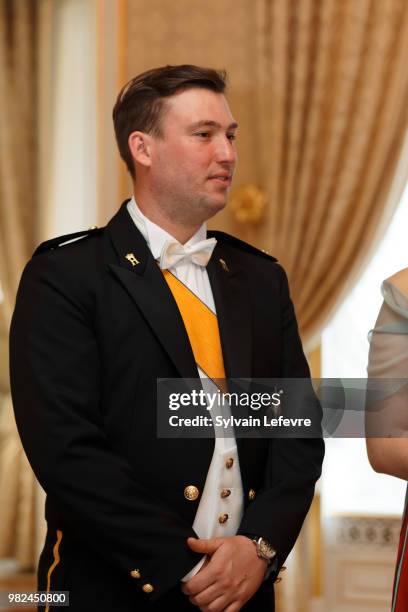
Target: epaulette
[54,243]
[240,244]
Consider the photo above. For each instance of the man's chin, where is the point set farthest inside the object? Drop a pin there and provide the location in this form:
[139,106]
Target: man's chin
[215,205]
[211,212]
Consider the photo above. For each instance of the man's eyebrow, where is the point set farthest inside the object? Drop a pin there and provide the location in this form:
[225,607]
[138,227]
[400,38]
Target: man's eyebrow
[210,123]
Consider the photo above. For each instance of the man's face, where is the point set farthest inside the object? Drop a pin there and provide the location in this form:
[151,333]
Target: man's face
[193,162]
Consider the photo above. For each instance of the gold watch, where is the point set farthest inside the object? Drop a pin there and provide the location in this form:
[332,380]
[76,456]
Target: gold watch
[264,549]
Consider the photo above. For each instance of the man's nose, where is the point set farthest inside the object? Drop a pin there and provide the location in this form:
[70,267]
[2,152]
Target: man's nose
[225,151]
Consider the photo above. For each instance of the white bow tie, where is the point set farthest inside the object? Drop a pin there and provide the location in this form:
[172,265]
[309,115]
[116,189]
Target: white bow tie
[173,252]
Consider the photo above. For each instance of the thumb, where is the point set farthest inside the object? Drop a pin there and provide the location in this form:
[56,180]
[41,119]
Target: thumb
[204,546]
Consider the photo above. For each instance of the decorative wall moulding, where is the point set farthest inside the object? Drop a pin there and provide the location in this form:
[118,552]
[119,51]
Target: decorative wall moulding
[359,566]
[364,531]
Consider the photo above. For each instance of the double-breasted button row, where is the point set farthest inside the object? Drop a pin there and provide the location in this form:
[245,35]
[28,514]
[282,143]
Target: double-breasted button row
[147,587]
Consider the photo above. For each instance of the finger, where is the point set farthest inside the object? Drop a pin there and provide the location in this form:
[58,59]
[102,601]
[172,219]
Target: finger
[208,595]
[217,605]
[199,583]
[204,546]
[234,607]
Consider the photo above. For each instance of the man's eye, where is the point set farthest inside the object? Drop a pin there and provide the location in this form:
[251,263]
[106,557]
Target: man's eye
[232,136]
[203,134]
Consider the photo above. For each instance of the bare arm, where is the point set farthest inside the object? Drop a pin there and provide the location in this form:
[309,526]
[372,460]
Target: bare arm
[387,419]
[389,455]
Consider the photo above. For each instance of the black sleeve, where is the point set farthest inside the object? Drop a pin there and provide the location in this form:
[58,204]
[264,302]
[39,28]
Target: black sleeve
[56,381]
[293,465]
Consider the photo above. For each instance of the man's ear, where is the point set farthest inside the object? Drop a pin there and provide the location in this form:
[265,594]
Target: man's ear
[140,148]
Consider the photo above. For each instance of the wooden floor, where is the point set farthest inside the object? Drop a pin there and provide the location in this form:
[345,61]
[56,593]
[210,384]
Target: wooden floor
[18,583]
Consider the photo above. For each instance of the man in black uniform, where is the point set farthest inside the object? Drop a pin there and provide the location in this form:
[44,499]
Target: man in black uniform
[137,522]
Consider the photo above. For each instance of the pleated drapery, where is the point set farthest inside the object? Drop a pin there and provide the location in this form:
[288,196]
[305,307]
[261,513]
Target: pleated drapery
[18,207]
[337,119]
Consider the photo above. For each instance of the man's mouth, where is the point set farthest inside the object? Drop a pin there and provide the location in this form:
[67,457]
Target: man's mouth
[223,179]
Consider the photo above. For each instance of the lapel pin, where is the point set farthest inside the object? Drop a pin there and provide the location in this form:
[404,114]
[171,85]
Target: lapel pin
[130,257]
[224,265]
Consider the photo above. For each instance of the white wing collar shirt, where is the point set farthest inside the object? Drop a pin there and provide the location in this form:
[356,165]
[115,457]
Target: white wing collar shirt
[220,509]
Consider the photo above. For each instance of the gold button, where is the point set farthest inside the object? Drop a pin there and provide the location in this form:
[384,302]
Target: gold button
[93,227]
[191,492]
[147,588]
[135,574]
[223,518]
[225,493]
[251,494]
[278,580]
[229,463]
[282,569]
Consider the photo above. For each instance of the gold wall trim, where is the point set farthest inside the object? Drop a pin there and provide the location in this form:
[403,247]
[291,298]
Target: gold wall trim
[124,182]
[314,358]
[111,50]
[316,545]
[100,106]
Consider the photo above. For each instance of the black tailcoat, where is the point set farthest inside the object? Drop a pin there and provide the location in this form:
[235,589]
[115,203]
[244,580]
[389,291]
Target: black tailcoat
[90,335]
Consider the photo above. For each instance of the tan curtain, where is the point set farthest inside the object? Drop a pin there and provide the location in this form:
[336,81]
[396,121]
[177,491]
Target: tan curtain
[333,90]
[18,204]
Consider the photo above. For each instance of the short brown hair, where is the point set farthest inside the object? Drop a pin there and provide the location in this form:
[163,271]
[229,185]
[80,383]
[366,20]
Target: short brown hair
[139,105]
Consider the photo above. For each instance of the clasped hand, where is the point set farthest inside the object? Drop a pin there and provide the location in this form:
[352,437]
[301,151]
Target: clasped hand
[232,573]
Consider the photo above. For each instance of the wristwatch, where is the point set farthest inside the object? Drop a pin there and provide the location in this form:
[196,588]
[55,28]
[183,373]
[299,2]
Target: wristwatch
[264,549]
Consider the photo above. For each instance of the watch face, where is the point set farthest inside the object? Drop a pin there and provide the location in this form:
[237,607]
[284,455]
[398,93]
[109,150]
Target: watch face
[266,550]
